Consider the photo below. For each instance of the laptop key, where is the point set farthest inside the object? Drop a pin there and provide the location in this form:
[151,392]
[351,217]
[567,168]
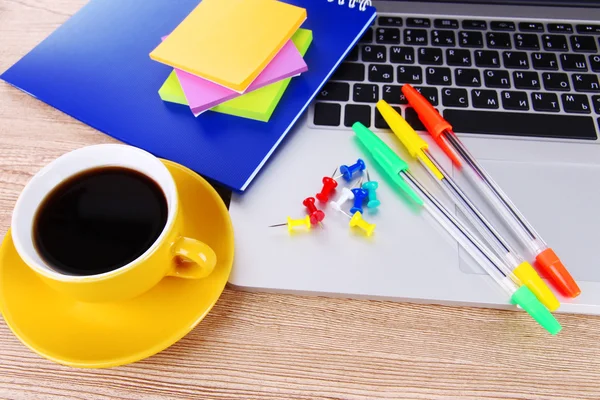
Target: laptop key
[544,61]
[470,39]
[576,103]
[416,37]
[531,27]
[353,55]
[545,102]
[364,93]
[588,28]
[418,22]
[327,114]
[513,100]
[443,38]
[356,113]
[409,74]
[381,73]
[595,63]
[560,28]
[484,98]
[474,24]
[467,77]
[380,122]
[498,40]
[487,58]
[413,120]
[556,81]
[521,124]
[430,56]
[439,76]
[555,42]
[496,78]
[573,62]
[455,97]
[368,36]
[445,23]
[585,83]
[349,72]
[387,35]
[515,59]
[526,80]
[393,94]
[390,21]
[596,103]
[374,53]
[583,44]
[502,26]
[402,55]
[458,57]
[335,91]
[429,93]
[526,41]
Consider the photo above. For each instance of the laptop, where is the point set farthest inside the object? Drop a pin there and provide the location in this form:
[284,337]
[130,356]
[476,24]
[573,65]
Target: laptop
[519,82]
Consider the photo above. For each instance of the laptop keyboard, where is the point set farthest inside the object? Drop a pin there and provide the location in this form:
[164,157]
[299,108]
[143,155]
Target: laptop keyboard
[494,77]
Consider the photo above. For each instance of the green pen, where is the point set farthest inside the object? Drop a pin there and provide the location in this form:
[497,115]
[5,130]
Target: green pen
[397,169]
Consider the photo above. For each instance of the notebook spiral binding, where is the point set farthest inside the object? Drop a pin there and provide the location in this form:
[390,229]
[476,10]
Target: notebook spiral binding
[362,4]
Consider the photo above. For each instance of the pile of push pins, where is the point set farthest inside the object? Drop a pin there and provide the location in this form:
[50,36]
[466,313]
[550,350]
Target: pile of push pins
[360,194]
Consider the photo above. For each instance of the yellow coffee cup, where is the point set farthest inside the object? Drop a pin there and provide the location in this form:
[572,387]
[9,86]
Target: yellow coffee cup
[171,254]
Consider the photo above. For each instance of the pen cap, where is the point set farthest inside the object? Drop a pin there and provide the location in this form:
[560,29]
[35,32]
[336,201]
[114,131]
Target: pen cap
[386,158]
[524,298]
[551,266]
[431,119]
[530,278]
[435,124]
[403,131]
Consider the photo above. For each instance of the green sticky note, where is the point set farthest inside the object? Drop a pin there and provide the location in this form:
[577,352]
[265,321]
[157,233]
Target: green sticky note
[258,105]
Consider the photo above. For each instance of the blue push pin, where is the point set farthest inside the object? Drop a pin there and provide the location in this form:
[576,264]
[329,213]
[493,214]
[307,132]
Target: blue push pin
[348,171]
[359,197]
[371,186]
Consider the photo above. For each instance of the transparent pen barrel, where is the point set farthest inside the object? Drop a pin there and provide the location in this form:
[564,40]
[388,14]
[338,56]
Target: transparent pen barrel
[485,258]
[512,217]
[493,238]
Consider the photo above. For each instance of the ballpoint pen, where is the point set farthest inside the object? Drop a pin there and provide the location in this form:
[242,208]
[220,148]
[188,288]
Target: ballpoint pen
[520,270]
[397,171]
[441,131]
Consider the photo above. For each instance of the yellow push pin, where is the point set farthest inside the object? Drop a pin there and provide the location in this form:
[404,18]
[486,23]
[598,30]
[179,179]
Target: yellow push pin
[357,220]
[292,224]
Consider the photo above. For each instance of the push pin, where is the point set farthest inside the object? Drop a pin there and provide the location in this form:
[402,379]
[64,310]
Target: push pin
[359,196]
[316,215]
[358,221]
[348,171]
[346,195]
[371,187]
[329,185]
[292,224]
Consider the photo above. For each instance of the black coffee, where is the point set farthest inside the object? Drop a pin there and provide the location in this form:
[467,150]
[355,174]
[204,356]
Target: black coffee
[99,220]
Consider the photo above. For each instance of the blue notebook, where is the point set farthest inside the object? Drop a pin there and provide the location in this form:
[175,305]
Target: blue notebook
[96,68]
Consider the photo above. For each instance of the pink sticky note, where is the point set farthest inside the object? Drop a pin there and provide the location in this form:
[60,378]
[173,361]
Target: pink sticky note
[202,94]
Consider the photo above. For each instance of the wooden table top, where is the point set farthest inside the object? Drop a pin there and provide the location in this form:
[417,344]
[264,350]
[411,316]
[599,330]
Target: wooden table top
[268,346]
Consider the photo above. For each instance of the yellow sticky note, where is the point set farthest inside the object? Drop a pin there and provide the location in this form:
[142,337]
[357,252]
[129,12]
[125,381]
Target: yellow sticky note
[258,105]
[230,42]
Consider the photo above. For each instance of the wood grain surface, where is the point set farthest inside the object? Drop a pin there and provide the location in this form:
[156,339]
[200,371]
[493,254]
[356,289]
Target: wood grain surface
[267,346]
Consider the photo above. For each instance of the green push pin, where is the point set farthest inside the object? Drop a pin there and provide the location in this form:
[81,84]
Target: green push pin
[371,187]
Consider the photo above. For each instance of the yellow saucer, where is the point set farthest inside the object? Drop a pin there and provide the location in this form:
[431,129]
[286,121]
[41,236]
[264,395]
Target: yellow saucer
[102,335]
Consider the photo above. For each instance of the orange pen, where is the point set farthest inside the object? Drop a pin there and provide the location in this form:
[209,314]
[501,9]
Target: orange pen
[546,259]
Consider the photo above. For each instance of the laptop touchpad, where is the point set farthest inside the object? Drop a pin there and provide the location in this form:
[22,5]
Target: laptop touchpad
[561,201]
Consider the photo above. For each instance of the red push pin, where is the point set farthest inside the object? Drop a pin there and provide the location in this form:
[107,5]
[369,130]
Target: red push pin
[329,185]
[316,215]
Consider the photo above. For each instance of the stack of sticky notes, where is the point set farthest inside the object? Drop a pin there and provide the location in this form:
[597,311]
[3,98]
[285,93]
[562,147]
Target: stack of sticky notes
[234,56]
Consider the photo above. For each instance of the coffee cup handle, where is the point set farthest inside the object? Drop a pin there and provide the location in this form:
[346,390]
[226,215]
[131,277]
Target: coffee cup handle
[200,259]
